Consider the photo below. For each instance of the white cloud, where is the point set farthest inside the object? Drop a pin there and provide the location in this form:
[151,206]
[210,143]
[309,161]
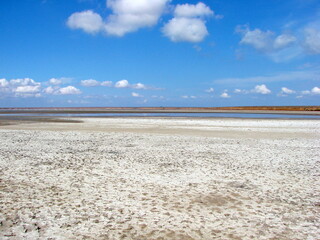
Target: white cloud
[122,84]
[133,94]
[240,91]
[190,10]
[55,81]
[69,90]
[315,90]
[312,40]
[88,21]
[285,90]
[106,84]
[23,82]
[187,97]
[129,16]
[283,41]
[58,81]
[256,38]
[210,90]
[94,83]
[27,89]
[90,83]
[20,87]
[225,95]
[188,24]
[3,82]
[237,91]
[262,89]
[49,90]
[264,41]
[283,47]
[139,86]
[185,30]
[125,84]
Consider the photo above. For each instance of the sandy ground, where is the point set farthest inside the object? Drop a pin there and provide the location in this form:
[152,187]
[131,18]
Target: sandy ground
[182,179]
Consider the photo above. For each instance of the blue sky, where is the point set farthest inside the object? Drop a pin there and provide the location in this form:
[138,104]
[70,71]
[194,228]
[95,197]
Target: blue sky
[159,53]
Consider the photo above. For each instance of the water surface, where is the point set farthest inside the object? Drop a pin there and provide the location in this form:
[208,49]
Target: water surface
[174,115]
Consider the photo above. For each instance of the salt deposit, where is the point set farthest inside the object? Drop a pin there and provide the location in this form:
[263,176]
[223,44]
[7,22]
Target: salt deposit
[136,178]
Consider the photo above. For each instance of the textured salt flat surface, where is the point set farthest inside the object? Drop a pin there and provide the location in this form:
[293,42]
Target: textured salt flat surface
[160,179]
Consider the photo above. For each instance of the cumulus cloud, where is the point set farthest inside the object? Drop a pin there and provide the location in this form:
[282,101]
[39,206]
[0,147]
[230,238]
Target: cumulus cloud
[188,97]
[287,90]
[240,91]
[106,84]
[94,83]
[134,94]
[129,16]
[49,90]
[3,83]
[24,82]
[55,90]
[88,21]
[264,41]
[188,24]
[139,86]
[55,81]
[20,87]
[90,83]
[225,95]
[262,89]
[122,84]
[69,90]
[315,90]
[58,81]
[125,84]
[27,89]
[191,10]
[210,90]
[185,30]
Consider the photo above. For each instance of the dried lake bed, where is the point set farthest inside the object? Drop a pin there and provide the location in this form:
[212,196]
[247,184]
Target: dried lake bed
[159,178]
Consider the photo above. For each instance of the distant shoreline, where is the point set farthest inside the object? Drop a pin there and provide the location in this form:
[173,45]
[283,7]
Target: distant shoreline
[293,110]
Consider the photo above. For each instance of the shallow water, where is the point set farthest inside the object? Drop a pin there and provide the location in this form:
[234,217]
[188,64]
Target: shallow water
[173,115]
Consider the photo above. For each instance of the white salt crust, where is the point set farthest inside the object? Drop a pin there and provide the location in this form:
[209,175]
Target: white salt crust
[126,178]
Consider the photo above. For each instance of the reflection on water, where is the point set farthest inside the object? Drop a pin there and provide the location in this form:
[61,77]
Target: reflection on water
[173,115]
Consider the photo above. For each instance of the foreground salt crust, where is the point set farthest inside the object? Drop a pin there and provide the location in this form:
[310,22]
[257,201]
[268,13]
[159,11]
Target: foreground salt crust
[126,178]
